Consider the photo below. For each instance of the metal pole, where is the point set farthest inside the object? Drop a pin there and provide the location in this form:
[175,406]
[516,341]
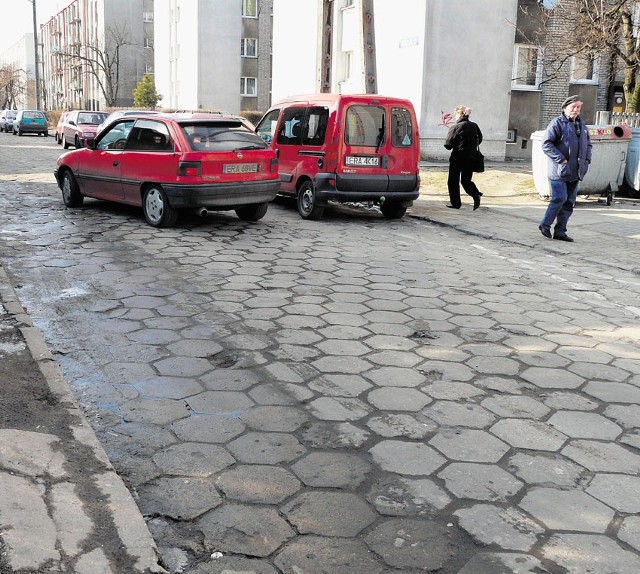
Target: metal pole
[35,51]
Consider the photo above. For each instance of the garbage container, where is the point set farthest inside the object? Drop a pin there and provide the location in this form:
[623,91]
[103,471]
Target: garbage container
[632,171]
[608,161]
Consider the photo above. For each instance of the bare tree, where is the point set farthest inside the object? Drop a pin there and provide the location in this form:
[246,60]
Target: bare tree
[12,86]
[102,59]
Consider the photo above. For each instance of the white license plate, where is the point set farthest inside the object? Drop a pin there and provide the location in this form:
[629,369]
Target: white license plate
[240,168]
[362,161]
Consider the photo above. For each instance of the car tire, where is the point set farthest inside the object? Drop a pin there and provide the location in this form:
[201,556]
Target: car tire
[253,212]
[392,210]
[65,143]
[76,142]
[306,202]
[70,191]
[156,208]
[19,132]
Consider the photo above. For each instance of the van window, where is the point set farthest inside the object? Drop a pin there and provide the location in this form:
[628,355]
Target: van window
[365,126]
[290,126]
[401,128]
[316,126]
[267,127]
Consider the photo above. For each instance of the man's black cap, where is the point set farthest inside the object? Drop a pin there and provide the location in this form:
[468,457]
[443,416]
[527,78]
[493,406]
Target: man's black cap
[570,100]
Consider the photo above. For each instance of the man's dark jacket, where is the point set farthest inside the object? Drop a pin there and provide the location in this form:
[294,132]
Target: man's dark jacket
[463,139]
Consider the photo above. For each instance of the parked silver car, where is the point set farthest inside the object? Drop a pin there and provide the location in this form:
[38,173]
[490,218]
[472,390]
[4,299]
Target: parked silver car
[6,120]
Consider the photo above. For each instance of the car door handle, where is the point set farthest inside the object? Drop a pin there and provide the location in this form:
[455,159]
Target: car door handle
[115,164]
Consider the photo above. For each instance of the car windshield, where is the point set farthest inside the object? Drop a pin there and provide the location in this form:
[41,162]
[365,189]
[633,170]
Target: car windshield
[221,136]
[91,118]
[11,115]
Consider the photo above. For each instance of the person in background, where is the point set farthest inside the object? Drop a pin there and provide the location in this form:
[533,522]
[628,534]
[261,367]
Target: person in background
[567,144]
[463,140]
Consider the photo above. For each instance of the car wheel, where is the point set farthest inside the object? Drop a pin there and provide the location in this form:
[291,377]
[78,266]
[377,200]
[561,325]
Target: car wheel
[65,143]
[19,132]
[76,142]
[392,210]
[57,138]
[70,192]
[253,212]
[156,208]
[306,200]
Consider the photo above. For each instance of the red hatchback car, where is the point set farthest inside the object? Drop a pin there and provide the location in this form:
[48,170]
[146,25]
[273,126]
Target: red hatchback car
[80,126]
[166,163]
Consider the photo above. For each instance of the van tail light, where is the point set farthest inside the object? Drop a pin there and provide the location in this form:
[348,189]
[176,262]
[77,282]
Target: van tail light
[274,164]
[190,168]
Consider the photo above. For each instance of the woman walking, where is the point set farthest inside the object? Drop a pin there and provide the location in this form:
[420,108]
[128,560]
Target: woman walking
[463,140]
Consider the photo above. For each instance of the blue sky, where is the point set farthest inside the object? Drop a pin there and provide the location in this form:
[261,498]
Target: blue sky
[21,18]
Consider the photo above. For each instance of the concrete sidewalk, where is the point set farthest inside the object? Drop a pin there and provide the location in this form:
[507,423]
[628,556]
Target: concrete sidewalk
[62,506]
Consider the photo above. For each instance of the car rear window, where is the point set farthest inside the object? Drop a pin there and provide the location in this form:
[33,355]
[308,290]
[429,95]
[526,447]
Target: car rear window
[87,118]
[401,128]
[11,115]
[221,136]
[33,115]
[365,126]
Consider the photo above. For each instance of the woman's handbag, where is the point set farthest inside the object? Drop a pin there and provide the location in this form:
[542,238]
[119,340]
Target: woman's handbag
[478,162]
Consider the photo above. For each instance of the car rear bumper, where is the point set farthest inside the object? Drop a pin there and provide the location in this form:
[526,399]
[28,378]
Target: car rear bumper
[402,189]
[221,196]
[28,129]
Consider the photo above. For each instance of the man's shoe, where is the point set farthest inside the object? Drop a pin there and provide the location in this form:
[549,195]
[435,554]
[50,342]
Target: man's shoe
[453,206]
[476,201]
[546,232]
[563,238]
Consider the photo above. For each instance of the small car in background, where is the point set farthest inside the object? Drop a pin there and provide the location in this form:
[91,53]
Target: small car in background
[120,113]
[80,126]
[165,163]
[59,126]
[6,120]
[30,122]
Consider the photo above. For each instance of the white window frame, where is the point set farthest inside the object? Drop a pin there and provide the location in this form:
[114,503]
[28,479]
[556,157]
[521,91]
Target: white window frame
[575,70]
[246,11]
[516,84]
[248,86]
[246,45]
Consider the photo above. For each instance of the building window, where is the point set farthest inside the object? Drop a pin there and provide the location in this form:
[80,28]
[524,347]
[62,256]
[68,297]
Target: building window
[147,17]
[248,86]
[148,43]
[249,47]
[250,8]
[527,67]
[584,69]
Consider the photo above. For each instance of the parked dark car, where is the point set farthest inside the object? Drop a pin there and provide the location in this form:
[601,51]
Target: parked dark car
[80,126]
[30,122]
[6,120]
[166,163]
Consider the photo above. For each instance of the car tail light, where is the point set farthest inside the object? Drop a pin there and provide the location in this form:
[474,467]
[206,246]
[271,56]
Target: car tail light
[274,164]
[190,168]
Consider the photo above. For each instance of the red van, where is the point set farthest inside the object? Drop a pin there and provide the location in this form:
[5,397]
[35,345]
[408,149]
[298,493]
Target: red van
[345,148]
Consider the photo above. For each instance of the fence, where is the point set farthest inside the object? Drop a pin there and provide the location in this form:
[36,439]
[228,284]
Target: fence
[613,118]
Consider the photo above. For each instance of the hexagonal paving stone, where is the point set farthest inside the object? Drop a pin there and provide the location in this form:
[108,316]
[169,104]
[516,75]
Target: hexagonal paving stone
[395,377]
[329,513]
[182,366]
[515,406]
[409,543]
[339,408]
[629,531]
[345,365]
[584,425]
[327,555]
[193,459]
[208,428]
[617,490]
[339,385]
[529,434]
[156,411]
[258,484]
[496,562]
[549,378]
[398,399]
[274,418]
[392,425]
[168,387]
[220,402]
[567,510]
[406,457]
[469,445]
[450,413]
[195,348]
[335,435]
[579,553]
[178,498]
[230,379]
[447,391]
[546,469]
[332,470]
[401,496]
[602,457]
[479,481]
[266,448]
[611,392]
[232,565]
[508,528]
[241,529]
[154,336]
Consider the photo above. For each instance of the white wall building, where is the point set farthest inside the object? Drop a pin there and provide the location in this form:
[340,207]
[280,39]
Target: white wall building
[21,58]
[436,53]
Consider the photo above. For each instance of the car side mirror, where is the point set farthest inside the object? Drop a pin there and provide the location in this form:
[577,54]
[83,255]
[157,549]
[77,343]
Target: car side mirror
[72,123]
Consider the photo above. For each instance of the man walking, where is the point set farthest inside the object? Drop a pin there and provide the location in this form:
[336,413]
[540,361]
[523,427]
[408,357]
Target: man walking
[566,143]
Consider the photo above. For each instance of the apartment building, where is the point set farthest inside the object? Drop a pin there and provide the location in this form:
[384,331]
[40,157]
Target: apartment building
[213,54]
[94,52]
[21,58]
